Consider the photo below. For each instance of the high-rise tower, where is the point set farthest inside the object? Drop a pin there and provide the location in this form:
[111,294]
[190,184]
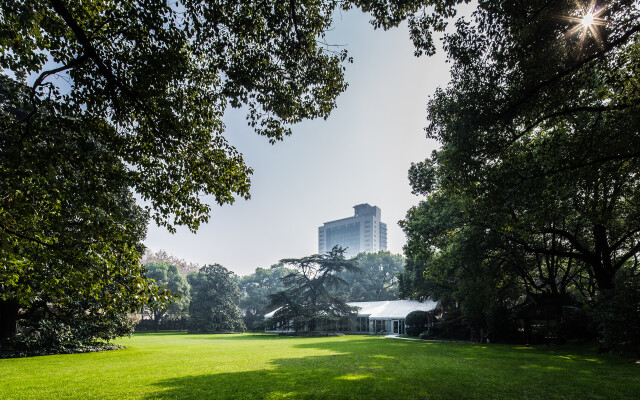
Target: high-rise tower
[362,233]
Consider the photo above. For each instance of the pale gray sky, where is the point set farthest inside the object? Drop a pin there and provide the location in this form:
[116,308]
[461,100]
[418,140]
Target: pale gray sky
[360,154]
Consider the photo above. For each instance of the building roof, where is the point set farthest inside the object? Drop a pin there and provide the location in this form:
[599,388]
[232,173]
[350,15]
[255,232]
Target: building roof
[393,309]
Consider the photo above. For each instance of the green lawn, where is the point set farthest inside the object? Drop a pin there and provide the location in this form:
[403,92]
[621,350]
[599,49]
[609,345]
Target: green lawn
[180,366]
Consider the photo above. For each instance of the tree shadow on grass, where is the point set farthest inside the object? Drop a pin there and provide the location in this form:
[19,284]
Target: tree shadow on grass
[215,336]
[314,377]
[372,368]
[161,333]
[234,336]
[351,369]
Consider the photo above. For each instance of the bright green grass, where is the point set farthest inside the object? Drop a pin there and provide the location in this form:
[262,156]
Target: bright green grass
[181,366]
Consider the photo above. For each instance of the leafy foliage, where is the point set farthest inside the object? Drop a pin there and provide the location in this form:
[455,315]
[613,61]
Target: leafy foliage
[167,276]
[526,139]
[164,73]
[214,301]
[617,315]
[100,99]
[424,18]
[458,264]
[376,278]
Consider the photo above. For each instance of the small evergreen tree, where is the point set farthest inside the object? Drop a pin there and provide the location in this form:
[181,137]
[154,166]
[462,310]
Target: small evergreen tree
[309,296]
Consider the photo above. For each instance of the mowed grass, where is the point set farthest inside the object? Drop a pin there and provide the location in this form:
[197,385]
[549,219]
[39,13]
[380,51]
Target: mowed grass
[181,366]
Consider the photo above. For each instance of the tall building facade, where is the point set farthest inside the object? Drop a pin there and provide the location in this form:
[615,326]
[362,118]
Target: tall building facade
[362,233]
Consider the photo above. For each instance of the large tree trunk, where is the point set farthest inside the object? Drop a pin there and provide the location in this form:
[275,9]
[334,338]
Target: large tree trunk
[8,318]
[603,268]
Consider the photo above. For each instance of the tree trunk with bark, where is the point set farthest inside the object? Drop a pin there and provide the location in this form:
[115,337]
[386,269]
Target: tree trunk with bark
[9,310]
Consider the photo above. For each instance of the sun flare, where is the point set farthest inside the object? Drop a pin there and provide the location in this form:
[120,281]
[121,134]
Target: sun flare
[587,20]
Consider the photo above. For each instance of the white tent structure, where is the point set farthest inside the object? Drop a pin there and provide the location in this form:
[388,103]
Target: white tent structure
[387,316]
[373,317]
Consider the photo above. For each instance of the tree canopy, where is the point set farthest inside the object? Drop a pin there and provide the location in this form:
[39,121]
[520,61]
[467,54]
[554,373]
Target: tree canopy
[161,256]
[523,129]
[70,229]
[214,301]
[539,162]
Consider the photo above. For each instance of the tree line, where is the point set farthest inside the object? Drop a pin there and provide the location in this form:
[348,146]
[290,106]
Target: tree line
[213,299]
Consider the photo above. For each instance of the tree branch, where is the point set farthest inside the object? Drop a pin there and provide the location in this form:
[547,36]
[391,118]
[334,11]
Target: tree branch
[570,237]
[632,252]
[44,75]
[91,52]
[528,94]
[31,239]
[569,111]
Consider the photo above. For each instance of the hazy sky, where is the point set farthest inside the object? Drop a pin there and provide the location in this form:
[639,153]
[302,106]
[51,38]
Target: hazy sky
[360,154]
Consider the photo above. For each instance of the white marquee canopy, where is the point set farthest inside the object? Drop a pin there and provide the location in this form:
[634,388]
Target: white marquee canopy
[394,309]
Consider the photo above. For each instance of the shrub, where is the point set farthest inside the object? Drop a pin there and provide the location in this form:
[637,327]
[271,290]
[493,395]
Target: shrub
[416,322]
[51,336]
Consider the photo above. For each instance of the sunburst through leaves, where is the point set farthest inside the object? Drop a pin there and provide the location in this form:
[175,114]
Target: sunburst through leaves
[587,21]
